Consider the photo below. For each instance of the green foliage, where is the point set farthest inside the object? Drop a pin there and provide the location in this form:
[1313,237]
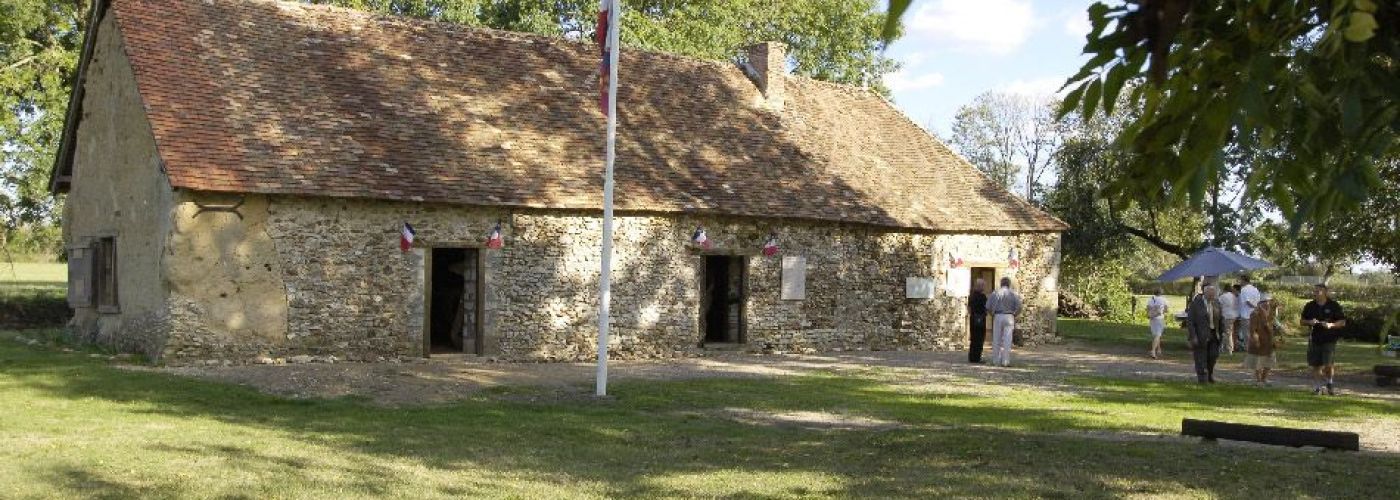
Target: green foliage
[833,40]
[39,45]
[1103,283]
[1312,80]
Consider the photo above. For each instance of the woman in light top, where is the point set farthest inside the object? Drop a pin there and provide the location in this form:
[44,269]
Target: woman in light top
[1156,322]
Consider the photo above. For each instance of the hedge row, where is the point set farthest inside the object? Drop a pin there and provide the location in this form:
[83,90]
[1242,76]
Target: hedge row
[29,309]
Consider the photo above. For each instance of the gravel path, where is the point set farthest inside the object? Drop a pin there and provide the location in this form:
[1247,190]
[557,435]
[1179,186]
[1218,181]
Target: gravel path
[1043,368]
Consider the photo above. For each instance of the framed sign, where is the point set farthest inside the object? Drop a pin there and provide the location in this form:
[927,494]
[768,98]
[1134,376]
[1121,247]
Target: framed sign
[958,282]
[794,278]
[919,288]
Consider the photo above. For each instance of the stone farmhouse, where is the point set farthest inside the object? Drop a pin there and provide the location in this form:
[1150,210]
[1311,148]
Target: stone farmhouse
[238,174]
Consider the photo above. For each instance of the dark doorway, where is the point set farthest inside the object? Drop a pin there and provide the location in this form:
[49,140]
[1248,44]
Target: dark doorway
[454,315]
[722,299]
[987,275]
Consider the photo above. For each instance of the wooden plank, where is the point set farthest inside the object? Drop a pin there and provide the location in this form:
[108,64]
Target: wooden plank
[1282,436]
[1391,371]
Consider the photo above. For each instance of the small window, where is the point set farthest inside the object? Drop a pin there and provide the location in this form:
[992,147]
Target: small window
[104,274]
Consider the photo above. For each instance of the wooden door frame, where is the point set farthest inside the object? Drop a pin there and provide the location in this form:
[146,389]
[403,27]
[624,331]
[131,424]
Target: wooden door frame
[479,344]
[742,260]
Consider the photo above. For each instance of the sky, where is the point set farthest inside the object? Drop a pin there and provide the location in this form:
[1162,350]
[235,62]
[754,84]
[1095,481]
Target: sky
[953,50]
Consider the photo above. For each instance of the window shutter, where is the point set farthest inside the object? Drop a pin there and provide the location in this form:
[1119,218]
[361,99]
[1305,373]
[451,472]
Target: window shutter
[79,276]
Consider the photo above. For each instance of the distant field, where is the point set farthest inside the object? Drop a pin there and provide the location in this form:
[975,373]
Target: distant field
[33,279]
[55,273]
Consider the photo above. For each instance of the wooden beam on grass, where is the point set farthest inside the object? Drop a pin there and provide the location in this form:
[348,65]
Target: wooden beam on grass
[1281,436]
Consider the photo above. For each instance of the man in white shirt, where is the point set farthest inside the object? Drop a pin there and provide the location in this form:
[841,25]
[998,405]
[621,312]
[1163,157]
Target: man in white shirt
[1004,304]
[1249,300]
[1230,310]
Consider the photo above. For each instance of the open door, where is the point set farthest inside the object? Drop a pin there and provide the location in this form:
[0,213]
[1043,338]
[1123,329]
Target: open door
[455,307]
[723,297]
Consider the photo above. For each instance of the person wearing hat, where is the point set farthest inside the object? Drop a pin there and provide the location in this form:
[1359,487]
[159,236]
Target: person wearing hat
[1263,339]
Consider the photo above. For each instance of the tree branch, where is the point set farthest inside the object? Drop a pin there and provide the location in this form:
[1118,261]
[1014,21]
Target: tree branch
[19,63]
[1154,240]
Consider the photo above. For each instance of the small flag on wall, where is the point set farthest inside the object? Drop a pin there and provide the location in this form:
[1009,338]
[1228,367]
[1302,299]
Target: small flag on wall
[406,237]
[700,238]
[770,247]
[1013,259]
[494,240]
[954,261]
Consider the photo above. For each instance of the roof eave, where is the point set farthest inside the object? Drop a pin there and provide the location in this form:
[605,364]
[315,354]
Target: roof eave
[61,173]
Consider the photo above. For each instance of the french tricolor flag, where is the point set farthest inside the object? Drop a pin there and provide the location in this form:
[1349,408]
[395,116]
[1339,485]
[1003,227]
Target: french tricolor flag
[406,237]
[699,238]
[600,35]
[494,240]
[1013,259]
[770,247]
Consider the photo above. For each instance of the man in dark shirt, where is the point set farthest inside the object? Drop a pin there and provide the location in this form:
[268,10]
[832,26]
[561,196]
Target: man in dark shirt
[977,324]
[1325,316]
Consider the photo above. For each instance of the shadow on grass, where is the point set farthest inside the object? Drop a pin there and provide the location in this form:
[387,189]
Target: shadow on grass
[656,438]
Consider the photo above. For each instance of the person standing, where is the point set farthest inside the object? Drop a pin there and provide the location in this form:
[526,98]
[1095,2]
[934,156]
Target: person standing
[1156,322]
[1004,304]
[1203,327]
[1264,337]
[977,321]
[1229,312]
[1248,297]
[1325,317]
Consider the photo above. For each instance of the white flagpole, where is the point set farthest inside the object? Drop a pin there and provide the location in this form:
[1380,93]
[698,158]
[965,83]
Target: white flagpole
[605,280]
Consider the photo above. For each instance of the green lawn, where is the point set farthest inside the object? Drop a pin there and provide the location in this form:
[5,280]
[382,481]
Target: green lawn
[1351,356]
[71,426]
[33,278]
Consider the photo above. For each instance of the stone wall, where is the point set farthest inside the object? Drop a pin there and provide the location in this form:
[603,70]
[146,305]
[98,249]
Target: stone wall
[119,191]
[348,291]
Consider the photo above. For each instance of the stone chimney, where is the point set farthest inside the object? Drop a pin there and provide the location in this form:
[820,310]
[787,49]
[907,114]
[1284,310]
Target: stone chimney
[768,60]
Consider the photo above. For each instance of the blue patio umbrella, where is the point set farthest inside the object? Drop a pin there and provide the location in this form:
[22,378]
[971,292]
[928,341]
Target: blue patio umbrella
[1212,261]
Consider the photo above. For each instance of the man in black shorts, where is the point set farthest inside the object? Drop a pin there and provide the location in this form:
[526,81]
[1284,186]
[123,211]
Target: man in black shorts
[1325,316]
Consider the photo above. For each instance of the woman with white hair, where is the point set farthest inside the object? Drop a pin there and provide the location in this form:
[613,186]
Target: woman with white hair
[1263,340]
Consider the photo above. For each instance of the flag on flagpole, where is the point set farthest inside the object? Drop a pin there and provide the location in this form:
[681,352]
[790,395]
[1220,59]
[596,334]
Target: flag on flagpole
[609,18]
[600,35]
[700,239]
[770,247]
[494,240]
[406,237]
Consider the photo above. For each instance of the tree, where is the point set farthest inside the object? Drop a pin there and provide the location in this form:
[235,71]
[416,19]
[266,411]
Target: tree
[833,40]
[39,45]
[1313,79]
[1003,134]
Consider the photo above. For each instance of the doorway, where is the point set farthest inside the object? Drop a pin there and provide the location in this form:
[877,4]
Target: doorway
[454,311]
[989,276]
[722,299]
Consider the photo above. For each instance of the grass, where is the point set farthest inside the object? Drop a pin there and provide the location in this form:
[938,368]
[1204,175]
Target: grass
[1351,356]
[71,426]
[33,278]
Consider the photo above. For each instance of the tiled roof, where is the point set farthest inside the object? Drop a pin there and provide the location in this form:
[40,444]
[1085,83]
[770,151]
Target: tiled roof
[272,97]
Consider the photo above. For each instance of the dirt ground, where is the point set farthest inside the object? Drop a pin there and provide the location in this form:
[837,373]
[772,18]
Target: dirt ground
[444,380]
[447,379]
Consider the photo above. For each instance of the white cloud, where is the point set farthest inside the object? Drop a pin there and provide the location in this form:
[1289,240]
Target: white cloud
[994,26]
[904,79]
[1077,24]
[1035,87]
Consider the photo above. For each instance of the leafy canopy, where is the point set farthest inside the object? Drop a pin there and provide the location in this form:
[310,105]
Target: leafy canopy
[833,40]
[1313,80]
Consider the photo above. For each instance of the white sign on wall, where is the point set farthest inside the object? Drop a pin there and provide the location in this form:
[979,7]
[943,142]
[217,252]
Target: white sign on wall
[919,288]
[794,278]
[958,282]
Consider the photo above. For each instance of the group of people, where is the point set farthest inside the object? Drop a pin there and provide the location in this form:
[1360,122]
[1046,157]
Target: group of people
[1003,305]
[1241,318]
